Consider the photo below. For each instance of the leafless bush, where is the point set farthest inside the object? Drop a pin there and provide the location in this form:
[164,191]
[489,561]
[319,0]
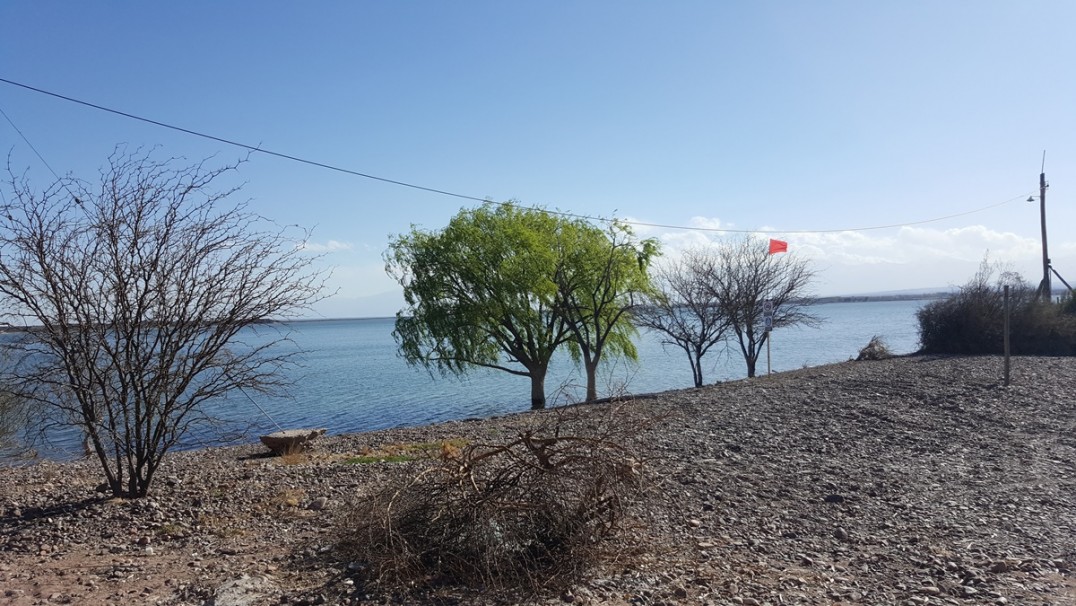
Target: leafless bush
[143,298]
[520,517]
[876,349]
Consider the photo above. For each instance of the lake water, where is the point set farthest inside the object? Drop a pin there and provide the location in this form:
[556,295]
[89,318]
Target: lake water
[352,379]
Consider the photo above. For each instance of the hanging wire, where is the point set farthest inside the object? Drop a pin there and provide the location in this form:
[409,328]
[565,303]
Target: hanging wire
[259,149]
[252,401]
[39,157]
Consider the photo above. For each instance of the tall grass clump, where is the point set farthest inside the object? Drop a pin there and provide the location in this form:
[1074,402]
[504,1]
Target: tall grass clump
[972,321]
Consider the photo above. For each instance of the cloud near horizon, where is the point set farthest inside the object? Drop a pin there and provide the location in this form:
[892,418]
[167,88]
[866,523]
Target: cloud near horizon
[330,246]
[846,263]
[893,259]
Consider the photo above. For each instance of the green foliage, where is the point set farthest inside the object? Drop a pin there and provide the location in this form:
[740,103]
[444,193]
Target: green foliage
[601,273]
[503,287]
[972,321]
[480,292]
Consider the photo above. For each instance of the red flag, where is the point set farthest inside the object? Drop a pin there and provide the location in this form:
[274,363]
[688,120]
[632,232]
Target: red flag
[778,246]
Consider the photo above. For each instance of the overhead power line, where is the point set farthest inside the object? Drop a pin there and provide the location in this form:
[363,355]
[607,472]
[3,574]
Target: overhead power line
[259,149]
[30,145]
[37,153]
[252,148]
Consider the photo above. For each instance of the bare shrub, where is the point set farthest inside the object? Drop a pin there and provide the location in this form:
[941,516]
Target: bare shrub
[876,349]
[141,299]
[519,517]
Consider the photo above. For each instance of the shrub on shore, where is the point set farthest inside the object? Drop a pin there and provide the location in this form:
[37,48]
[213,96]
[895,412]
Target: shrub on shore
[972,320]
[1068,304]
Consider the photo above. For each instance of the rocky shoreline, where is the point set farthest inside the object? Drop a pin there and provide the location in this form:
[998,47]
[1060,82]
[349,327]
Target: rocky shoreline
[914,480]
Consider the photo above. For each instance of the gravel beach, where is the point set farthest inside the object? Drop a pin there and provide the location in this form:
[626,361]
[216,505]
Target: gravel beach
[914,480]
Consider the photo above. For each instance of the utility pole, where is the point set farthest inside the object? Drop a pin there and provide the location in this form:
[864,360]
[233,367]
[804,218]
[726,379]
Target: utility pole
[1045,290]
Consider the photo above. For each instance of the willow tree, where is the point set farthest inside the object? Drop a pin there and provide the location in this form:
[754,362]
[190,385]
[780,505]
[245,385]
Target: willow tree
[134,295]
[600,278]
[481,293]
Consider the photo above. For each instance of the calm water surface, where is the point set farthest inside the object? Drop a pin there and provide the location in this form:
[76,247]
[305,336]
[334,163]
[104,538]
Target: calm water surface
[351,378]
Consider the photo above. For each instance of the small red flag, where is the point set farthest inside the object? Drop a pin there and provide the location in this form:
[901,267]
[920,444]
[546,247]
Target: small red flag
[778,246]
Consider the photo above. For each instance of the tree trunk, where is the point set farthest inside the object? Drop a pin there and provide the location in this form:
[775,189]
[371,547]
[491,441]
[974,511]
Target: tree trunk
[751,352]
[538,388]
[696,369]
[592,379]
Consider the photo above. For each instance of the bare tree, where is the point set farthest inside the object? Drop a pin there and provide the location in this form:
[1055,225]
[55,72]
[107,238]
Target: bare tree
[137,296]
[746,275]
[684,307]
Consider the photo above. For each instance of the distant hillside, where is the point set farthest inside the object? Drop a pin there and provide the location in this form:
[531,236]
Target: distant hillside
[904,295]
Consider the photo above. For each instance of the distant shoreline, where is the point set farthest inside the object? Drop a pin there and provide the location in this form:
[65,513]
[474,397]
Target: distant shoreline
[8,328]
[880,298]
[926,296]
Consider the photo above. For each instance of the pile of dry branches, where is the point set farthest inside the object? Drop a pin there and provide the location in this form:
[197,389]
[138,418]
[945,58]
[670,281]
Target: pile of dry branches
[524,516]
[876,349]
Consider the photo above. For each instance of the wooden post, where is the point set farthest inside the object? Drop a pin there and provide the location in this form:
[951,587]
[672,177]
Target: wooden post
[1007,363]
[1045,288]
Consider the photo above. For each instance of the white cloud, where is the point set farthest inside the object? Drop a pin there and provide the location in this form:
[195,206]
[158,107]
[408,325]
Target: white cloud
[906,258]
[330,246]
[708,223]
[846,262]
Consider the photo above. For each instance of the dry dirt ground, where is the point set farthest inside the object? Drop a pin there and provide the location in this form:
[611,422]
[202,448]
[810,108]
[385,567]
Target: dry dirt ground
[916,480]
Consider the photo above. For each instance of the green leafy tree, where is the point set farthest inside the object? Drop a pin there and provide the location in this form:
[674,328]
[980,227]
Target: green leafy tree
[481,293]
[601,275]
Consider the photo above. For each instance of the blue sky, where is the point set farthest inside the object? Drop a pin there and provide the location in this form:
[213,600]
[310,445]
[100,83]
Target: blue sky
[784,116]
